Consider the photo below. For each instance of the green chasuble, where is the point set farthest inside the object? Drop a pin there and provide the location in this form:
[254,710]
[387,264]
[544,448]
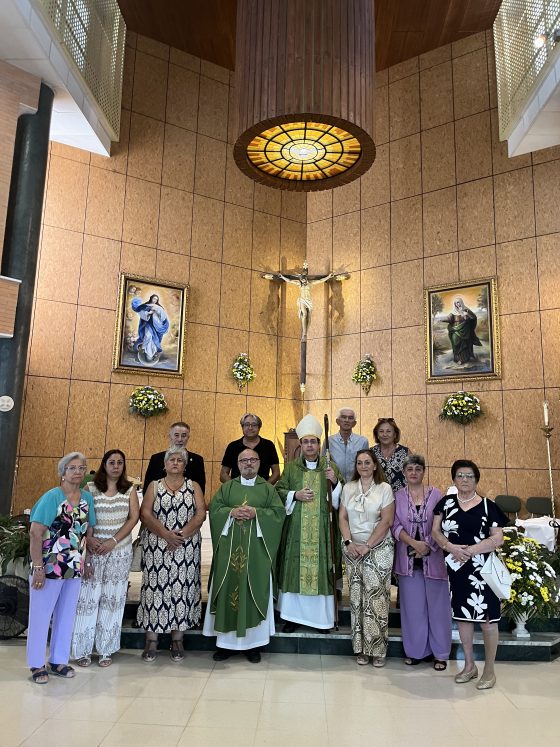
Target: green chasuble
[243,561]
[304,558]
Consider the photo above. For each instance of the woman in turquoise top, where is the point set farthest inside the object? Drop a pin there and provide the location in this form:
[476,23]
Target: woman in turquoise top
[59,522]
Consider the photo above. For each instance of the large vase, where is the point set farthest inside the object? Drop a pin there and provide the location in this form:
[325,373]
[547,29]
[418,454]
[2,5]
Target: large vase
[520,630]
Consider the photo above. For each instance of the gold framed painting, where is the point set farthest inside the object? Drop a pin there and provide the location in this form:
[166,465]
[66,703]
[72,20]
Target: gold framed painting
[150,328]
[462,333]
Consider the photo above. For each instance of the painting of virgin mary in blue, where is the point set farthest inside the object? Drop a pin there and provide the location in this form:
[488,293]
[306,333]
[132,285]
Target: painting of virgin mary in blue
[150,328]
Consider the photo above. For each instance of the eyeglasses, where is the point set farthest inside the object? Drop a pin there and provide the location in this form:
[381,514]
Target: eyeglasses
[251,424]
[385,420]
[250,460]
[464,476]
[74,468]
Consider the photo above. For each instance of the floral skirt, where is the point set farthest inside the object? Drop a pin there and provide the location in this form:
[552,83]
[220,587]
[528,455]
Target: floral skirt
[471,598]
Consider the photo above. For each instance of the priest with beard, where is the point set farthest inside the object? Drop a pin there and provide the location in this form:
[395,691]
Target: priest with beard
[305,579]
[246,517]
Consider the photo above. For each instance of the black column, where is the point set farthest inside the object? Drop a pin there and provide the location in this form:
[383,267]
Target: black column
[19,260]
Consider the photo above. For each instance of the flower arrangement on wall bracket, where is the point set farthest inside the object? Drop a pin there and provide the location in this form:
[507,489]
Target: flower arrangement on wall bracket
[242,370]
[365,372]
[147,401]
[462,407]
[534,588]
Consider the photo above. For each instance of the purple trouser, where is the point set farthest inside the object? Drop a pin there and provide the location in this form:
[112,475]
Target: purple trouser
[425,616]
[57,600]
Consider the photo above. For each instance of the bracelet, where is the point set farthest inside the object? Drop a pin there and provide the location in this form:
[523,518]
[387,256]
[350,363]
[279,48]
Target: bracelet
[89,565]
[115,540]
[38,568]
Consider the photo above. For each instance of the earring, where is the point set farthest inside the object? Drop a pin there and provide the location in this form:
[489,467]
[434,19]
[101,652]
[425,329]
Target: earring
[62,479]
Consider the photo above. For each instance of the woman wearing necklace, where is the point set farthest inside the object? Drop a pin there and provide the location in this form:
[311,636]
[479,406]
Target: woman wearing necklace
[173,510]
[420,568]
[365,518]
[468,527]
[389,452]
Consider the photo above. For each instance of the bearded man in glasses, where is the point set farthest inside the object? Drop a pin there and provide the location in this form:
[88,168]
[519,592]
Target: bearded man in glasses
[246,518]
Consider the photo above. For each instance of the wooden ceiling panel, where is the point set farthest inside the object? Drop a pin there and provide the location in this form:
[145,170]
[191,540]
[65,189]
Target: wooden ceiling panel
[404,28]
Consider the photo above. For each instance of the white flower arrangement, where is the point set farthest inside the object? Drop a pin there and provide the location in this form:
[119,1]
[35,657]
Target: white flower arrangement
[365,372]
[242,370]
[147,401]
[461,407]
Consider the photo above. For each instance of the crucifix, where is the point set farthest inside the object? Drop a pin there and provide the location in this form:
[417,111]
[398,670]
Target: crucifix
[304,304]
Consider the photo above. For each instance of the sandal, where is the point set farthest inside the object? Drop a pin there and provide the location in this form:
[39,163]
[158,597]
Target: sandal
[177,651]
[410,662]
[62,670]
[440,665]
[362,659]
[39,675]
[150,652]
[105,661]
[379,661]
[84,661]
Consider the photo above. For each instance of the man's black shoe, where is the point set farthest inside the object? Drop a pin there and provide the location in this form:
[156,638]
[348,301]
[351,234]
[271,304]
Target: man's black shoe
[290,627]
[222,654]
[253,656]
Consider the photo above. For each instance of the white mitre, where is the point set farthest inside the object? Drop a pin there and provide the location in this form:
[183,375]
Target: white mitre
[309,426]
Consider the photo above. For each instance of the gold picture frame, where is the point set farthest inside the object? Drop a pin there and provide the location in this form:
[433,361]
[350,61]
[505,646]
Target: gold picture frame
[462,331]
[150,326]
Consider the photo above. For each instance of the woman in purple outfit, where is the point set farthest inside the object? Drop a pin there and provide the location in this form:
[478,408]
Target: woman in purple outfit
[420,568]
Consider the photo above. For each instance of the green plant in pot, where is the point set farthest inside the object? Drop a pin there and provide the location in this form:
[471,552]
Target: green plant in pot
[14,546]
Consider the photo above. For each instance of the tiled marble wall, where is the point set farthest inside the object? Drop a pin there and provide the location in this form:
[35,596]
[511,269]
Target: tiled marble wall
[443,203]
[171,204]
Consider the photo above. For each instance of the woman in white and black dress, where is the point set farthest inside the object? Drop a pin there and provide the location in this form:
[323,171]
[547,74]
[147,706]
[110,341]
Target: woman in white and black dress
[389,452]
[173,510]
[468,527]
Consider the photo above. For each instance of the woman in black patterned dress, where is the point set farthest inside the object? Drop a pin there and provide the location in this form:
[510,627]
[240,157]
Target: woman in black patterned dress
[468,528]
[173,510]
[389,452]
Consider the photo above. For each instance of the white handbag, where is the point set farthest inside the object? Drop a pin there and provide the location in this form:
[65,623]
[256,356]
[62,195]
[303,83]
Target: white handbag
[497,576]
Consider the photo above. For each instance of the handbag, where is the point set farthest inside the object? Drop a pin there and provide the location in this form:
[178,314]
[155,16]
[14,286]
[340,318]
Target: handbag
[136,565]
[497,576]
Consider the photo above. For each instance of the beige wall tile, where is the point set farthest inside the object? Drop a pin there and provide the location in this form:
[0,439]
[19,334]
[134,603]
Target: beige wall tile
[376,299]
[153,47]
[86,424]
[477,263]
[210,70]
[475,213]
[319,245]
[206,281]
[378,344]
[500,159]
[157,428]
[547,188]
[436,95]
[404,107]
[346,241]
[178,158]
[381,127]
[382,78]
[172,267]
[99,276]
[44,418]
[517,273]
[93,344]
[405,167]
[105,203]
[288,414]
[408,346]
[373,408]
[175,221]
[443,268]
[375,183]
[182,98]
[35,475]
[150,86]
[407,294]
[239,188]
[515,213]
[346,198]
[438,157]
[265,301]
[145,150]
[406,229]
[550,324]
[492,85]
[319,205]
[51,344]
[238,235]
[66,178]
[294,206]
[403,69]
[474,148]
[125,429]
[268,200]
[207,230]
[288,368]
[484,437]
[375,236]
[61,251]
[265,408]
[440,222]
[292,241]
[231,343]
[213,108]
[138,260]
[525,483]
[266,242]
[445,441]
[345,349]
[521,351]
[410,414]
[435,57]
[523,413]
[128,77]
[546,154]
[548,251]
[468,44]
[235,297]
[184,59]
[209,179]
[67,151]
[201,357]
[118,160]
[263,354]
[470,84]
[141,212]
[229,408]
[344,302]
[199,412]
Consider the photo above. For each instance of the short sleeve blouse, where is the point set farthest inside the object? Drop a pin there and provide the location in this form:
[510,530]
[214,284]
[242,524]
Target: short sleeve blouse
[363,522]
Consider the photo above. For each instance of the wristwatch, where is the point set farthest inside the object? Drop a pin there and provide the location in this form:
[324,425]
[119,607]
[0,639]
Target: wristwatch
[347,542]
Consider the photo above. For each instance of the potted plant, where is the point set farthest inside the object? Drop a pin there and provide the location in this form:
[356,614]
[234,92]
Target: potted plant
[461,407]
[14,546]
